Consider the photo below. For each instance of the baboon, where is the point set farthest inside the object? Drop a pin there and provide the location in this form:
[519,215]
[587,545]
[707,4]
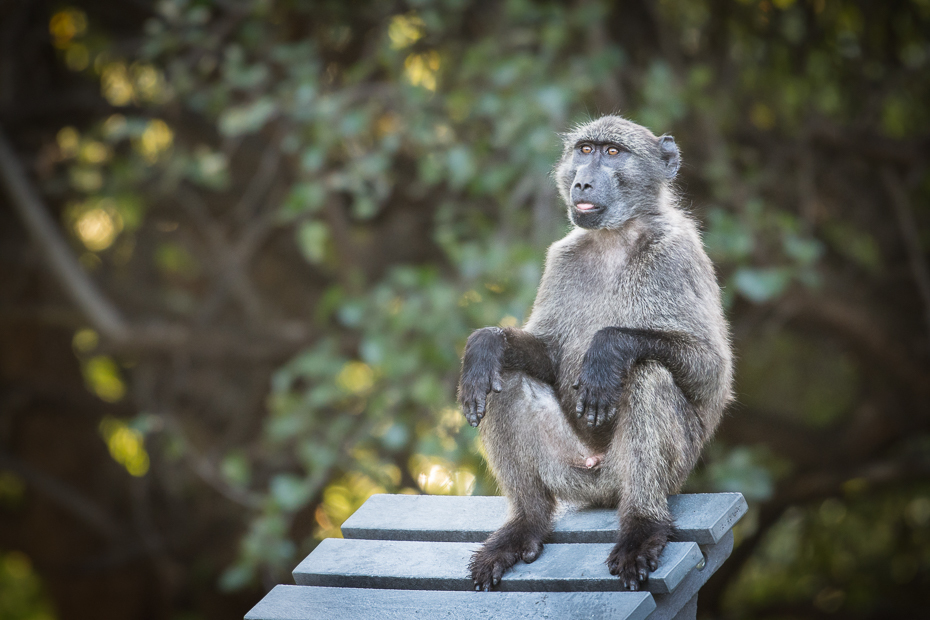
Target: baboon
[623,370]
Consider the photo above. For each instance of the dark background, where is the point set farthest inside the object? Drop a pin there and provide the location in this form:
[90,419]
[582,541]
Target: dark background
[242,245]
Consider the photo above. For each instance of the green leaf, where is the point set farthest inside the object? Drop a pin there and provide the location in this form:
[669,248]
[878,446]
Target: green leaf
[741,471]
[461,166]
[289,491]
[804,251]
[728,238]
[249,118]
[237,577]
[761,285]
[311,239]
[351,314]
[236,469]
[174,259]
[396,437]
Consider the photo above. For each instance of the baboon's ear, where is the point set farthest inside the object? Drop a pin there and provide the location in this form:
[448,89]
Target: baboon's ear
[670,156]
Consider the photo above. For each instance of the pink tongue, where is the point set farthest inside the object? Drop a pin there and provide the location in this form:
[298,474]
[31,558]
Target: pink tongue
[584,206]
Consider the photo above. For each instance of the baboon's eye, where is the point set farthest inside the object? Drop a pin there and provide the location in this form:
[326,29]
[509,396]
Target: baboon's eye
[612,150]
[587,148]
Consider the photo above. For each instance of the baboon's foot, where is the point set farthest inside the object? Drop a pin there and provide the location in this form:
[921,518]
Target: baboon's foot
[491,561]
[637,553]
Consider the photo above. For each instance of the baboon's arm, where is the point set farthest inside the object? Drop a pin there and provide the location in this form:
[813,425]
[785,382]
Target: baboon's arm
[491,350]
[527,353]
[614,350]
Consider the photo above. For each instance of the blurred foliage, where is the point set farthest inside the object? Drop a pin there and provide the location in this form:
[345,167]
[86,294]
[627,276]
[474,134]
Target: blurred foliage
[21,592]
[822,554]
[324,121]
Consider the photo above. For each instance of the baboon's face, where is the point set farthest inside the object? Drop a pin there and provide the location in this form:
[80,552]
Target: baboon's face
[613,169]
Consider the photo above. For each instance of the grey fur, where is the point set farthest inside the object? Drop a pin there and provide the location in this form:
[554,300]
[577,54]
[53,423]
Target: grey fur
[640,266]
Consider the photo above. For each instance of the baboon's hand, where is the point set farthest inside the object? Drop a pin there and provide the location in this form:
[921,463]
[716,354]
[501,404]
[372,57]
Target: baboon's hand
[481,371]
[600,383]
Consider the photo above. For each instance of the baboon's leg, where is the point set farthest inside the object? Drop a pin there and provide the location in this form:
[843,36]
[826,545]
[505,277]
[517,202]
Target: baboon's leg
[654,447]
[529,446]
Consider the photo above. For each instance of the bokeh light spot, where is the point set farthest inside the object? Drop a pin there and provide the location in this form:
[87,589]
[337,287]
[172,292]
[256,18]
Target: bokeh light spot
[470,297]
[103,378]
[85,340]
[155,140]
[509,321]
[421,69]
[126,446]
[115,84]
[405,30]
[68,140]
[94,152]
[148,82]
[65,25]
[98,226]
[356,377]
[436,476]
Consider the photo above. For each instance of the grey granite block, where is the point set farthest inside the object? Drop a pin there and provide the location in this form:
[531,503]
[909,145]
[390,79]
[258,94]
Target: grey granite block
[318,603]
[418,565]
[387,570]
[426,517]
[705,518]
[669,606]
[701,518]
[689,611]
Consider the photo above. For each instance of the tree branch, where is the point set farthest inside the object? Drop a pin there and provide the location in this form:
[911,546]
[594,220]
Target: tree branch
[103,315]
[228,268]
[106,317]
[271,343]
[908,228]
[259,184]
[206,470]
[65,496]
[862,330]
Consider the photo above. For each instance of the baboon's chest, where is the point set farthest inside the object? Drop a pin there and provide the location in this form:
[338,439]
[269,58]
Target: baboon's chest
[582,292]
[588,284]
